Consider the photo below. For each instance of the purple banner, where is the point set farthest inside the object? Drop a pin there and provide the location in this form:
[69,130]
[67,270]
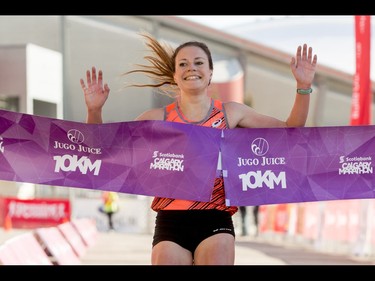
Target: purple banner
[154,158]
[286,165]
[167,159]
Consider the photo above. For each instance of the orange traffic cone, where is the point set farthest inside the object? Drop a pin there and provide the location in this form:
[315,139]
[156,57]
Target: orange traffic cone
[8,223]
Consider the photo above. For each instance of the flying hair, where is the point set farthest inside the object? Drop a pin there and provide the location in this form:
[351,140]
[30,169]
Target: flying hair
[160,68]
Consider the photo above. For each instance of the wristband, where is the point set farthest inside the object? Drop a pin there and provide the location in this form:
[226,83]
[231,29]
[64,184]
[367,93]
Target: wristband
[304,91]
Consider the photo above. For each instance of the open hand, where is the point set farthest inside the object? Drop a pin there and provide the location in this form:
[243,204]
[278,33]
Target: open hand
[95,92]
[303,66]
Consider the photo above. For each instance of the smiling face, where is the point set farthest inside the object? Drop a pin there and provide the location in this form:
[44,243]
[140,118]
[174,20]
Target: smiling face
[192,69]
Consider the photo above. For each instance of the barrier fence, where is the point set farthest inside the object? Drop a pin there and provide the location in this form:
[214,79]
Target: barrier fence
[64,244]
[331,226]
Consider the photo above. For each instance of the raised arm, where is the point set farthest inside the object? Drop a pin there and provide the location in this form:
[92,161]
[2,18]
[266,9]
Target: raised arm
[95,94]
[303,67]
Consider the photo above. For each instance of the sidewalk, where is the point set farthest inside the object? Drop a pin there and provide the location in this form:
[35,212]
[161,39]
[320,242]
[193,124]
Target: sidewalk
[114,248]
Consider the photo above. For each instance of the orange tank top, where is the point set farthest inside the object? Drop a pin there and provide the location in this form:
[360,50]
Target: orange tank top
[215,118]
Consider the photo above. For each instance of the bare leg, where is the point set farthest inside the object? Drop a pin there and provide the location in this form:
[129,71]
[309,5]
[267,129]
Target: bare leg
[218,249]
[170,253]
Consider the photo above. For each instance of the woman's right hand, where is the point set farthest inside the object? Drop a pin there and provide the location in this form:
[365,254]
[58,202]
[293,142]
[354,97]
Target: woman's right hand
[95,92]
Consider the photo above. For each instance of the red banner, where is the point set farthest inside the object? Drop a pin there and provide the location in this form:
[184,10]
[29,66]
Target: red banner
[34,212]
[362,98]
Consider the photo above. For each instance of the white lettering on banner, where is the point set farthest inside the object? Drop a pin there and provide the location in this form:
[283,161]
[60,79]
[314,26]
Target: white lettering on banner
[73,163]
[73,147]
[356,168]
[167,164]
[171,155]
[255,179]
[247,162]
[355,165]
[91,150]
[37,211]
[265,161]
[353,159]
[167,161]
[66,146]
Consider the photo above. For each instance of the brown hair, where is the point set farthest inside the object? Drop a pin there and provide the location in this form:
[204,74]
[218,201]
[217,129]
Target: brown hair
[162,63]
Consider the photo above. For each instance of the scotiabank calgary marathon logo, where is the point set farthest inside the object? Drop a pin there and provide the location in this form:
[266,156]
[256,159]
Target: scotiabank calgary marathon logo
[71,162]
[261,178]
[167,161]
[355,165]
